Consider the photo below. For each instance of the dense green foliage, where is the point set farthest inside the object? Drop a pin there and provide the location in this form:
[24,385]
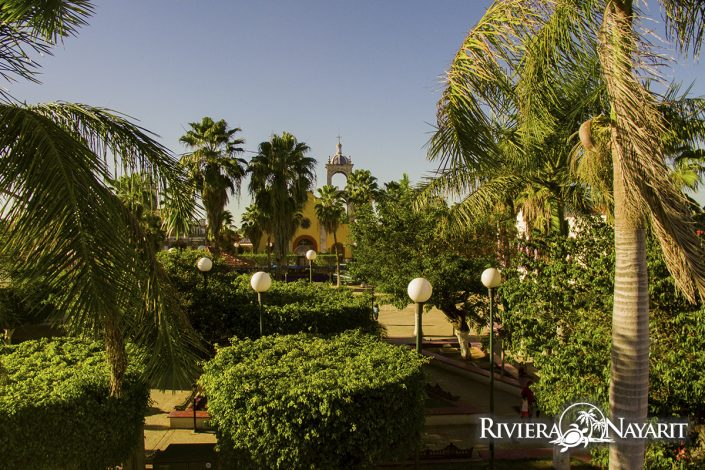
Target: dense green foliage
[395,243]
[228,307]
[559,306]
[22,301]
[301,401]
[55,409]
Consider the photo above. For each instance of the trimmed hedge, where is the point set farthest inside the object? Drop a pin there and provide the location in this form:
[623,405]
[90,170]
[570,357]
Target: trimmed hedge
[55,410]
[302,401]
[227,306]
[260,259]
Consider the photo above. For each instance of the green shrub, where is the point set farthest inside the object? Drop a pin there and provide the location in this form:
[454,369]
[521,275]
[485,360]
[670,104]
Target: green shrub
[302,401]
[227,305]
[55,412]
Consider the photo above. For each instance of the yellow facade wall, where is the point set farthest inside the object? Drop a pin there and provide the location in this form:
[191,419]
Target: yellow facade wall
[321,241]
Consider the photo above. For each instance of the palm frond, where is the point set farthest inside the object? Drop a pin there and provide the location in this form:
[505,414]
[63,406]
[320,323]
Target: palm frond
[65,224]
[479,87]
[637,127]
[485,199]
[26,28]
[685,21]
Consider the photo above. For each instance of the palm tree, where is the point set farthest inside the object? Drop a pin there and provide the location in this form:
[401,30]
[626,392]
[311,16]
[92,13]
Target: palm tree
[551,39]
[360,188]
[281,175]
[253,225]
[138,193]
[214,168]
[229,234]
[331,212]
[65,225]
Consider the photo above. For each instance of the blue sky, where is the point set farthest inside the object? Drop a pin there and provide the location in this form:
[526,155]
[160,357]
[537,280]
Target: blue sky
[368,70]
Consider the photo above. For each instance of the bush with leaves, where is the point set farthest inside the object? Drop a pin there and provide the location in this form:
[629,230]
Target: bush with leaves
[227,305]
[24,300]
[55,408]
[558,303]
[303,401]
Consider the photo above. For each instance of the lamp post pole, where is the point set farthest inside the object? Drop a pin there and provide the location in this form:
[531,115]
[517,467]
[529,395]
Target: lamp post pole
[310,256]
[491,292]
[260,282]
[419,291]
[193,405]
[419,322]
[259,301]
[491,278]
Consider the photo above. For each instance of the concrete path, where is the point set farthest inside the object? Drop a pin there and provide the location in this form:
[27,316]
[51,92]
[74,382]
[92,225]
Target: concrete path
[400,323]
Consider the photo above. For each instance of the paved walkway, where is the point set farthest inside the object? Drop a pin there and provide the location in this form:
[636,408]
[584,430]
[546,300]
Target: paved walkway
[400,323]
[157,434]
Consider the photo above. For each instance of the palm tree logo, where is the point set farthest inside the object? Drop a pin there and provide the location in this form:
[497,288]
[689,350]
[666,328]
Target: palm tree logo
[590,426]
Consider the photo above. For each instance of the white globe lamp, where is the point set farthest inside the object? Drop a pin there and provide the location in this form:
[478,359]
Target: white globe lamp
[260,282]
[419,291]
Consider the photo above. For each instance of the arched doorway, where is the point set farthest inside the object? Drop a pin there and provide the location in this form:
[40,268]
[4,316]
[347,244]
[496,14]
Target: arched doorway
[301,245]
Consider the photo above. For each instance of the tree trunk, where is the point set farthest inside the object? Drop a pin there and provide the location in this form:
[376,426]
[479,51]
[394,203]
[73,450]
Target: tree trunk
[116,354]
[562,222]
[629,385]
[464,343]
[561,460]
[337,259]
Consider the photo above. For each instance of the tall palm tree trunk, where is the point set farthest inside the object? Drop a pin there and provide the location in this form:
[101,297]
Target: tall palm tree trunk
[629,384]
[214,210]
[116,353]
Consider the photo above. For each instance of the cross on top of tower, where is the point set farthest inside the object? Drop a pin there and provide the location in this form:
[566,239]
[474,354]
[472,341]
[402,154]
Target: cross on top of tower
[338,163]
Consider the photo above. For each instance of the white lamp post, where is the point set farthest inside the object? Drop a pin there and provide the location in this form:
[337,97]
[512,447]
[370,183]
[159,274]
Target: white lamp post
[419,291]
[204,265]
[260,282]
[310,256]
[491,278]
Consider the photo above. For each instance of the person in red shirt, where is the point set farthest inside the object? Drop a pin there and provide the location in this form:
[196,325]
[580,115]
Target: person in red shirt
[528,395]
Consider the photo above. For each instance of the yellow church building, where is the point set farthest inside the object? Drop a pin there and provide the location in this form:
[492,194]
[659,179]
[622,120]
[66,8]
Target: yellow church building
[310,235]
